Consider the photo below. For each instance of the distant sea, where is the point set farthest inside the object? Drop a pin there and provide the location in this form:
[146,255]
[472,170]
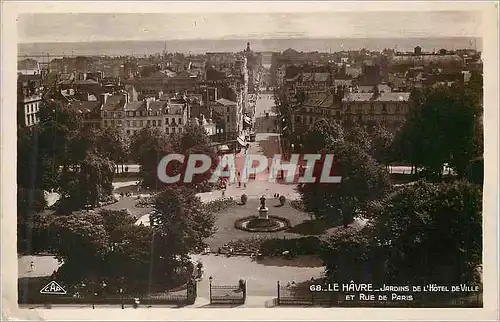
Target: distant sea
[141,48]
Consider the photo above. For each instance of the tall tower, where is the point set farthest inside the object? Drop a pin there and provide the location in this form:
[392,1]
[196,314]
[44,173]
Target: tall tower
[248,47]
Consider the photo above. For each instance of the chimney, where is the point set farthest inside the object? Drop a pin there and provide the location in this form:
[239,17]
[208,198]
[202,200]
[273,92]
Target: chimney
[103,98]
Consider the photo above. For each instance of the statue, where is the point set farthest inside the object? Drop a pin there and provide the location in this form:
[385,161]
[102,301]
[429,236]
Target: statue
[263,202]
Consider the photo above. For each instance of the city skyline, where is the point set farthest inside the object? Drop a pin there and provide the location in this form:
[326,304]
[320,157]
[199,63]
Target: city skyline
[48,28]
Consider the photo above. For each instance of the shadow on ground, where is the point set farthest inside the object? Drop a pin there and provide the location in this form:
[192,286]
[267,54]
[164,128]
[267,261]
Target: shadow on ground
[310,227]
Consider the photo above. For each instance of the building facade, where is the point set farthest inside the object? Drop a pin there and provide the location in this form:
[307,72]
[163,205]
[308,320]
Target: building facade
[29,98]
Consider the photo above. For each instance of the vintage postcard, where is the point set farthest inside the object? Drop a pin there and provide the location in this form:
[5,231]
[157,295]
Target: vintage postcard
[250,160]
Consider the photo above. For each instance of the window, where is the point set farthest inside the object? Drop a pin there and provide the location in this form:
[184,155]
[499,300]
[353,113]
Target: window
[128,123]
[112,122]
[228,109]
[133,113]
[337,113]
[384,108]
[134,124]
[118,114]
[119,122]
[180,120]
[154,122]
[167,130]
[397,110]
[159,123]
[149,123]
[372,108]
[105,123]
[105,114]
[180,130]
[228,118]
[173,130]
[167,120]
[141,123]
[128,132]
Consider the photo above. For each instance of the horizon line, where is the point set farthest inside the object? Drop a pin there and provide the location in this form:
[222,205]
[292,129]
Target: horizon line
[242,38]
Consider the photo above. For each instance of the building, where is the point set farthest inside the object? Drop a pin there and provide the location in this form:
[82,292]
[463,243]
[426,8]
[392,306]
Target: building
[28,67]
[169,115]
[388,109]
[418,51]
[230,117]
[29,98]
[209,126]
[89,112]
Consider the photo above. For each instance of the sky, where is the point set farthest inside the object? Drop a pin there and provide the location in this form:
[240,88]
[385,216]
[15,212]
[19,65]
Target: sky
[79,27]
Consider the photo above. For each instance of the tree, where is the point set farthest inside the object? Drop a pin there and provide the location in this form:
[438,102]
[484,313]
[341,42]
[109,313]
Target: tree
[29,202]
[114,145]
[441,128]
[181,224]
[420,234]
[104,246]
[148,146]
[347,256]
[358,136]
[321,134]
[363,180]
[432,233]
[86,183]
[381,140]
[195,140]
[42,148]
[81,244]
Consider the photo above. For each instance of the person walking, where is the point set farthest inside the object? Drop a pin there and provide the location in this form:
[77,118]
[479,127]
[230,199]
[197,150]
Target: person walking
[32,266]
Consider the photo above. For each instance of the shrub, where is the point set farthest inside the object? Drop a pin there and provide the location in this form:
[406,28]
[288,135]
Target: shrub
[298,246]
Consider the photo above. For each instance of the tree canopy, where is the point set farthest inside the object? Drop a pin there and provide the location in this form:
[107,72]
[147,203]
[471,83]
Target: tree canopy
[442,127]
[419,234]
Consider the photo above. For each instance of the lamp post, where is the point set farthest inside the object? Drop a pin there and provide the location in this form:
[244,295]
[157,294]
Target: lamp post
[210,288]
[121,297]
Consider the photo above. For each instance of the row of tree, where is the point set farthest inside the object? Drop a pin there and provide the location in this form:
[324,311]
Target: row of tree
[64,155]
[428,231]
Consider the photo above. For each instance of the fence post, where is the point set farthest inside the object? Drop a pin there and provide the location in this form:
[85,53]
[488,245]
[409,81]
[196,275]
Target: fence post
[278,300]
[244,291]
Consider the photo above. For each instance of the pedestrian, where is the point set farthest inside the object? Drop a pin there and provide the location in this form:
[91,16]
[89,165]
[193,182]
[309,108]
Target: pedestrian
[32,266]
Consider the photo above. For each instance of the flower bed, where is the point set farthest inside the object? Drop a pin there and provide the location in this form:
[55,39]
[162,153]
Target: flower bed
[216,206]
[145,202]
[299,205]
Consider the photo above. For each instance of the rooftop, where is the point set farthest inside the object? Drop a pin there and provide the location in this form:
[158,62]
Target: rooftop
[84,106]
[383,97]
[225,102]
[315,77]
[114,103]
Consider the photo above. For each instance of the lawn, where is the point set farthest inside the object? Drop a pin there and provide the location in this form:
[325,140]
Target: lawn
[226,231]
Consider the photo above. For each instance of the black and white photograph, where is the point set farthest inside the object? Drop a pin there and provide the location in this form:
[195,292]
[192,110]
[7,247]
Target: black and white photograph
[265,160]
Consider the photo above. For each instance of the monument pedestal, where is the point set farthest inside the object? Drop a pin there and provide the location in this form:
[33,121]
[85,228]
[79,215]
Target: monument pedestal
[263,213]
